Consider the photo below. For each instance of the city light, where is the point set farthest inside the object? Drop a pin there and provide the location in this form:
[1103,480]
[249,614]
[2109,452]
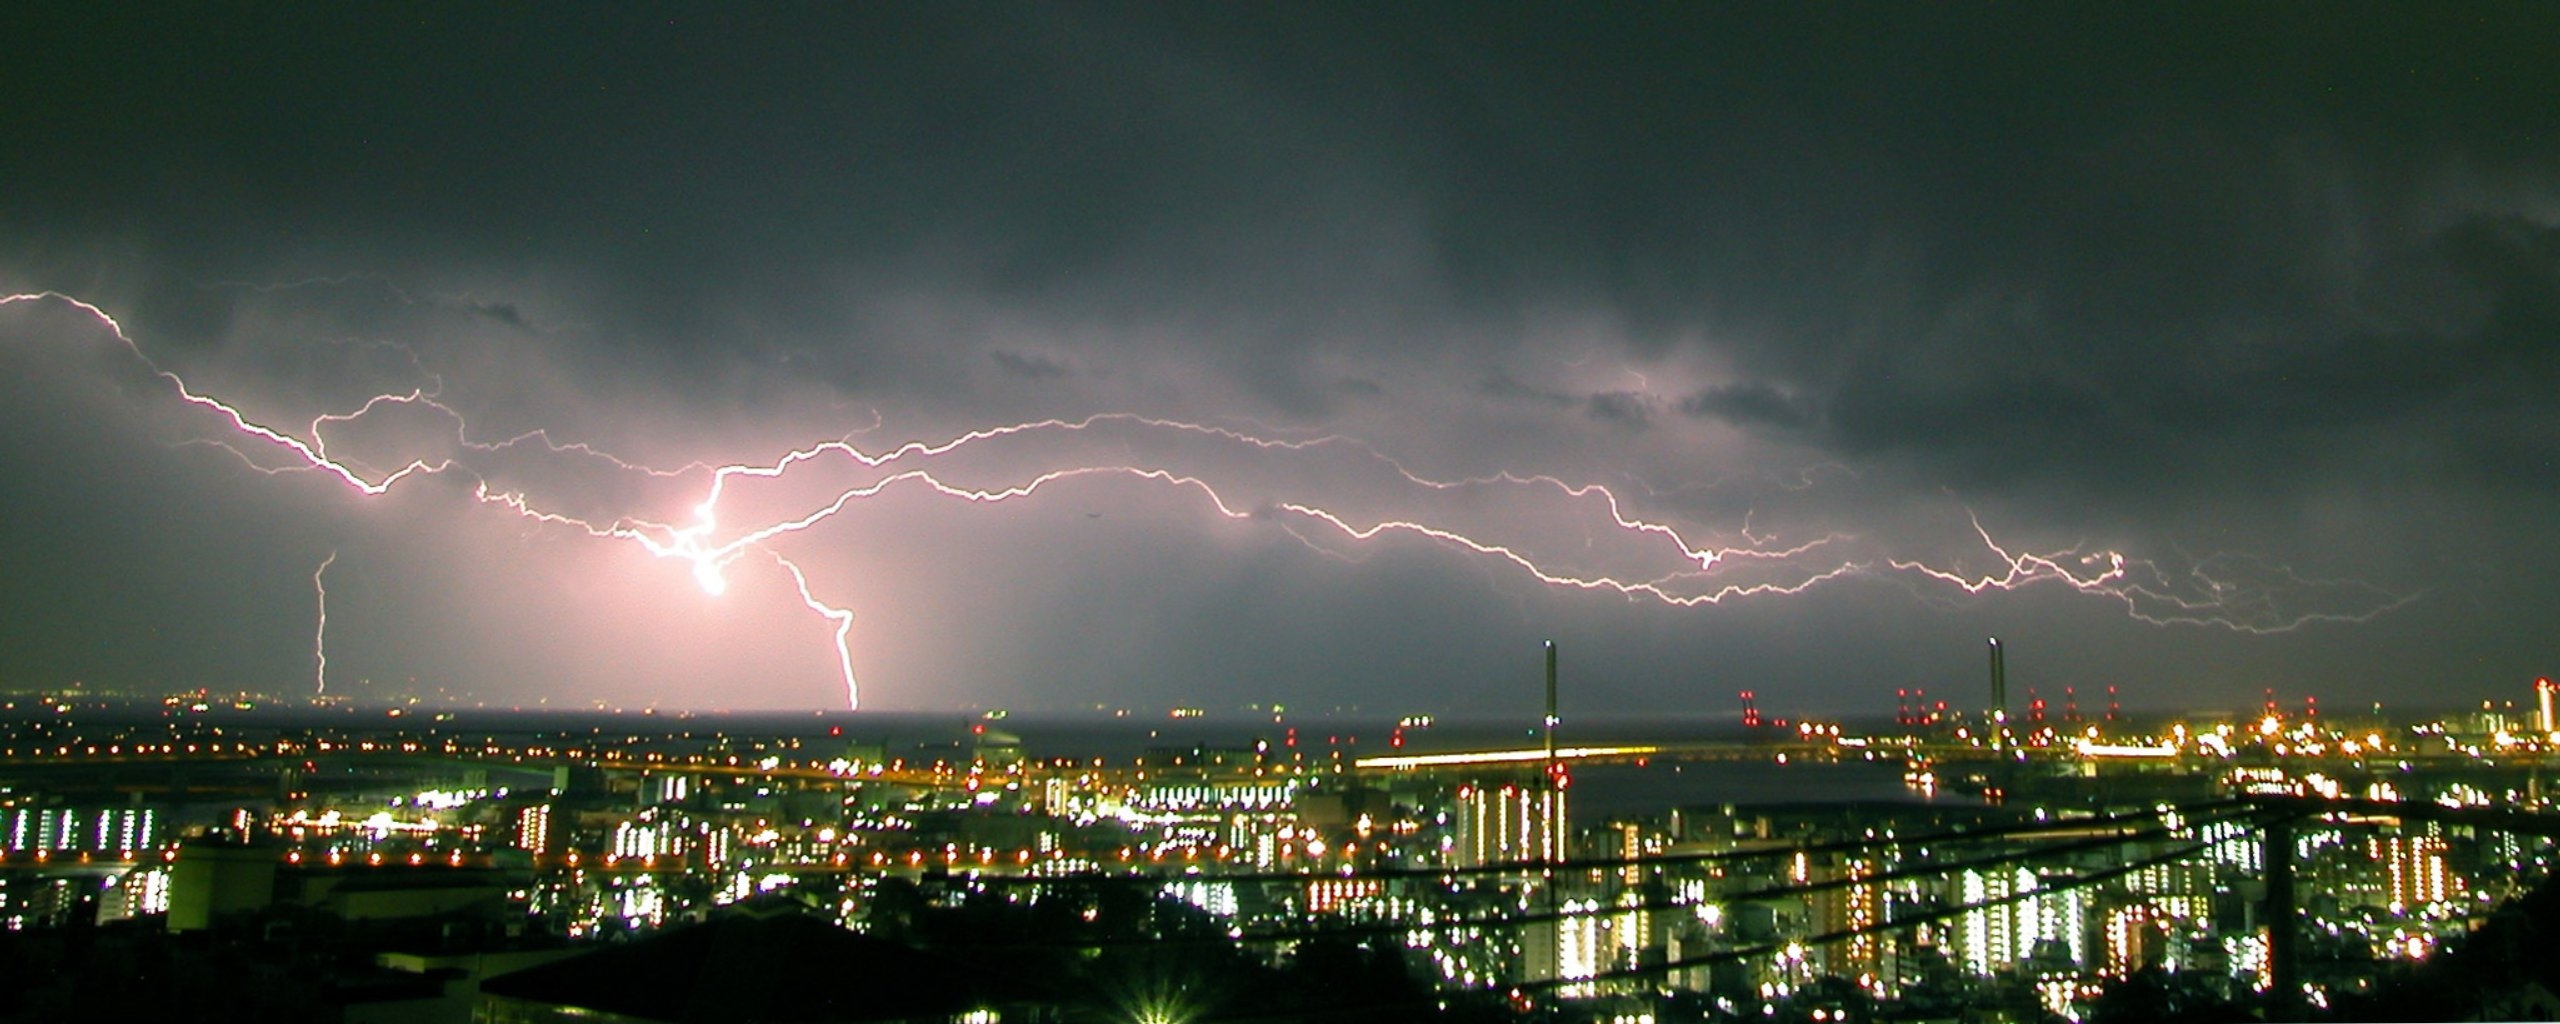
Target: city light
[1473,859]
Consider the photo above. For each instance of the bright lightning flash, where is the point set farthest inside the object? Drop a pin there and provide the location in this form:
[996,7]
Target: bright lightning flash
[320,632]
[1642,558]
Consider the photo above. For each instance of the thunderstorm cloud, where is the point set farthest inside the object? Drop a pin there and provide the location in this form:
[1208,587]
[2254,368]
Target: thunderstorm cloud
[2195,351]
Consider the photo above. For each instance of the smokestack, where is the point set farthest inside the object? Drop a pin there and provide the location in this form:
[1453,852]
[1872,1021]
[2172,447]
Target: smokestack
[1999,684]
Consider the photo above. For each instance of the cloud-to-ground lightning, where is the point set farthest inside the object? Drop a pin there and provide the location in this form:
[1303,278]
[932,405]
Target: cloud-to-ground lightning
[1613,548]
[320,631]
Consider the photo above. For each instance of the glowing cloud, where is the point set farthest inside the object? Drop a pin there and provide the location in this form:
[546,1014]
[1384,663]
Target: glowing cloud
[1337,495]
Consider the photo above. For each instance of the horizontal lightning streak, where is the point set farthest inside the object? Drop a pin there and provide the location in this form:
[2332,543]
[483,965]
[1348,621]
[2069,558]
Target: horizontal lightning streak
[1690,580]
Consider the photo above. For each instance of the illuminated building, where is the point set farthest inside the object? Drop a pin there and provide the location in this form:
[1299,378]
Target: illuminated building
[1218,898]
[651,834]
[2178,889]
[1580,947]
[1508,821]
[1216,795]
[1632,847]
[135,894]
[58,829]
[2060,920]
[1332,895]
[1986,936]
[1854,907]
[633,839]
[1995,938]
[1862,913]
[2131,939]
[533,828]
[2546,696]
[2235,845]
[2415,867]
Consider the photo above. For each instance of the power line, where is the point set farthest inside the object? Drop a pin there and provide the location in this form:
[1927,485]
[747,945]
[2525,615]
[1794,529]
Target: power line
[1526,867]
[1845,934]
[1930,870]
[1927,870]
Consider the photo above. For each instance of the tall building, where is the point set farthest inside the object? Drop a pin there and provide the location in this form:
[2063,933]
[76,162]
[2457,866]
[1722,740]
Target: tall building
[1581,945]
[2133,938]
[2414,870]
[533,828]
[1999,711]
[1854,907]
[1995,938]
[1508,821]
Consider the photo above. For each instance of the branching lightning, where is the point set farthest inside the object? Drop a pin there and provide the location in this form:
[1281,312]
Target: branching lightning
[1624,552]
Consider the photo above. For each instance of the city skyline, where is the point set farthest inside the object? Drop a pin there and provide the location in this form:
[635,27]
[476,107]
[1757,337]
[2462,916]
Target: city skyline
[2336,867]
[1044,358]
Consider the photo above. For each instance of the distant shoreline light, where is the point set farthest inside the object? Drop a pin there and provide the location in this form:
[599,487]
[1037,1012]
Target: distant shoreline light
[1497,757]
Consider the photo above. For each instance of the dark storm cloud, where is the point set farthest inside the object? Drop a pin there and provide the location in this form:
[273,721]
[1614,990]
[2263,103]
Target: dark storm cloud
[1030,365]
[1508,388]
[2184,278]
[502,312]
[1749,405]
[2252,391]
[1631,410]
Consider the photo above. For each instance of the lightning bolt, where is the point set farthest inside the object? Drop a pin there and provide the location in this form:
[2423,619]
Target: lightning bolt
[843,618]
[1623,553]
[2209,596]
[320,632]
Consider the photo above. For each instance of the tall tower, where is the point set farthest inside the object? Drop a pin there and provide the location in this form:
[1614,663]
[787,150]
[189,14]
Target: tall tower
[1551,810]
[2546,694]
[1549,724]
[1999,685]
[1549,962]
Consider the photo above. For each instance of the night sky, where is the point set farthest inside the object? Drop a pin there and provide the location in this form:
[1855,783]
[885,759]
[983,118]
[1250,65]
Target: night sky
[2191,349]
